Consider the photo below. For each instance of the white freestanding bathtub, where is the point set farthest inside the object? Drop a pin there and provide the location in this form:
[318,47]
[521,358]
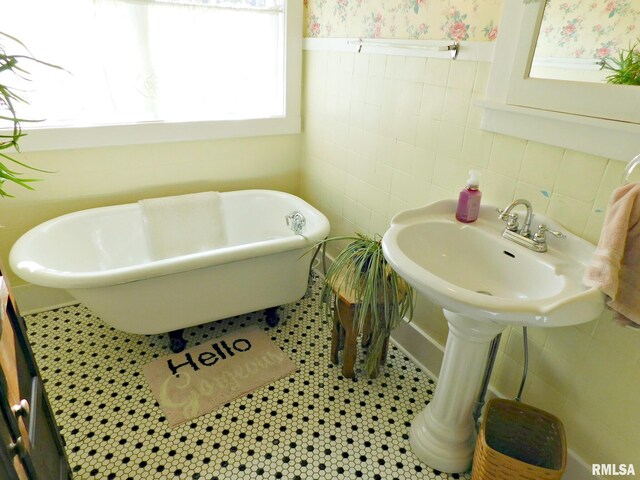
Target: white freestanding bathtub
[101,257]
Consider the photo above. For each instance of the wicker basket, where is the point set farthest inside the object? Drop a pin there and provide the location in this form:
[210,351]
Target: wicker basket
[519,442]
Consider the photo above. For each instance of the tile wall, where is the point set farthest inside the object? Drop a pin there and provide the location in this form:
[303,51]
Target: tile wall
[386,133]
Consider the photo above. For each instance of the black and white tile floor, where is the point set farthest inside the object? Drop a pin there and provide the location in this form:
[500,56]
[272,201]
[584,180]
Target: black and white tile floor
[312,425]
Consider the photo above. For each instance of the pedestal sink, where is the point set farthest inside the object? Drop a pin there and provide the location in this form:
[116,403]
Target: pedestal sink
[484,283]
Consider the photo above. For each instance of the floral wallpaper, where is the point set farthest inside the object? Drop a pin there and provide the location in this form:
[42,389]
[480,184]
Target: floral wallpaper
[474,20]
[588,28]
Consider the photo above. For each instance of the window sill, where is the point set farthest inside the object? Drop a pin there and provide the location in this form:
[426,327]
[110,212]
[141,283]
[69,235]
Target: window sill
[63,138]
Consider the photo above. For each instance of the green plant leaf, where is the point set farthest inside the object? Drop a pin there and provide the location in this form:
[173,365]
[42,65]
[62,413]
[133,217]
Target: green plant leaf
[11,137]
[626,67]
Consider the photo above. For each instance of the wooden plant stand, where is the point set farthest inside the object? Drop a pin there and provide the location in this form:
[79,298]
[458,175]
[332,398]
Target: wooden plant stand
[345,335]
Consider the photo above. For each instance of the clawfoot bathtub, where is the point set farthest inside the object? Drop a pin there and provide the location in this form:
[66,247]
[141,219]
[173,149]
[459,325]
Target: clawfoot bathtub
[102,258]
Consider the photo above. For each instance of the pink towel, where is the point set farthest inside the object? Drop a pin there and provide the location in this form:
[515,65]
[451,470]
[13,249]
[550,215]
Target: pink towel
[615,266]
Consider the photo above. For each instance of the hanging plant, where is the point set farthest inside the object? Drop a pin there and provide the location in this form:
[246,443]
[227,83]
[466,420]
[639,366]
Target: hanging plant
[626,67]
[12,69]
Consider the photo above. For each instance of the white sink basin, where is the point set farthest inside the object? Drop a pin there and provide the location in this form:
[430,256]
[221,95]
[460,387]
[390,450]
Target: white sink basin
[471,270]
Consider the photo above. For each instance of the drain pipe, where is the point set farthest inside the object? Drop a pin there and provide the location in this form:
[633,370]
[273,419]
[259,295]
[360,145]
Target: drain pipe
[322,247]
[493,351]
[526,364]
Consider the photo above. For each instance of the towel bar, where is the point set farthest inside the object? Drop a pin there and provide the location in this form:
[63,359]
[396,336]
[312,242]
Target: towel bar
[452,48]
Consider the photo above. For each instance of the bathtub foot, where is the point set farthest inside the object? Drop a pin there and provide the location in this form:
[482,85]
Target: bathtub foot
[177,343]
[272,316]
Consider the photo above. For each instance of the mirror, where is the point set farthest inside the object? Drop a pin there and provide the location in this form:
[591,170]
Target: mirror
[600,119]
[576,39]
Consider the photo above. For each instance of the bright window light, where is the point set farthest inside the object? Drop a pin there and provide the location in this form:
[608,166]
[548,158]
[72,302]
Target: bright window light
[132,62]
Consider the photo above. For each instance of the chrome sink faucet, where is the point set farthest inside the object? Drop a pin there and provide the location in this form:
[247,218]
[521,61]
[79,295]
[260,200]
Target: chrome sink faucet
[522,235]
[512,218]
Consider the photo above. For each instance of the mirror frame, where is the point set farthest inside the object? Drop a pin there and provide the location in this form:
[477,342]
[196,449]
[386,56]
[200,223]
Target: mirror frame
[560,113]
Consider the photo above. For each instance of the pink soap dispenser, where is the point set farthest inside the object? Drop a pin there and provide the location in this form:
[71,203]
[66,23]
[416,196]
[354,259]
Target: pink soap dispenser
[469,199]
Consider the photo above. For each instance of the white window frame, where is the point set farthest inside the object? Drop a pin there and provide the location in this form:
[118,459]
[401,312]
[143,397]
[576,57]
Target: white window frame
[57,138]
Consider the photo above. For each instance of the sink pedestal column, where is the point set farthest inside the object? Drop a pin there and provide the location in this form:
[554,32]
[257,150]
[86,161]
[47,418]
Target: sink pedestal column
[443,434]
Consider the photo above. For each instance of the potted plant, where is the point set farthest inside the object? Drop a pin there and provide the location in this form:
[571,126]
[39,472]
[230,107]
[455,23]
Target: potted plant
[626,67]
[382,295]
[12,69]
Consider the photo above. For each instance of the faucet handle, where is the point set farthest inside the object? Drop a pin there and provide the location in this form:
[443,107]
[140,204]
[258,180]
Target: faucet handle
[540,235]
[511,219]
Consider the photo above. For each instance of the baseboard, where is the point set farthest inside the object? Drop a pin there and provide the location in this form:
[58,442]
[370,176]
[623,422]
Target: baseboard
[419,347]
[427,353]
[34,299]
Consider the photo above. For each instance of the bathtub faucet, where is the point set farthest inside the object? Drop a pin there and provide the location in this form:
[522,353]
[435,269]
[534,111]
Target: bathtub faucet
[296,222]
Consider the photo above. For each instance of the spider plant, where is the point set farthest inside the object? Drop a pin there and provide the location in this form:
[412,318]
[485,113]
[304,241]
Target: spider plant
[360,268]
[11,68]
[626,67]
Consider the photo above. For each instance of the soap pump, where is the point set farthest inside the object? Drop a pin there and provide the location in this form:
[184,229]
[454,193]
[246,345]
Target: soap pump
[469,199]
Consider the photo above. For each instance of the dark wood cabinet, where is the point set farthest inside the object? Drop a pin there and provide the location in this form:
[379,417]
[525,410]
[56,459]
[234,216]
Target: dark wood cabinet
[32,447]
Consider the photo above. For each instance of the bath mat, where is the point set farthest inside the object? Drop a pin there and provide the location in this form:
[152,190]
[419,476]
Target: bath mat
[198,380]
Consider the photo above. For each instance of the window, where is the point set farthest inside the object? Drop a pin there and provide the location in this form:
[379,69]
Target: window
[136,70]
